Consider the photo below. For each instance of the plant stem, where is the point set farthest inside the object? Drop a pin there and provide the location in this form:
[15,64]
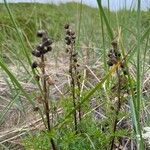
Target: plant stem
[118,108]
[46,105]
[79,99]
[73,86]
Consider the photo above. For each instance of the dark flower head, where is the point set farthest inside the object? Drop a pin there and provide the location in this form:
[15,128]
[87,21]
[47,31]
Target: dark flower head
[66,26]
[49,48]
[34,65]
[68,32]
[36,53]
[72,33]
[41,33]
[109,63]
[40,48]
[47,43]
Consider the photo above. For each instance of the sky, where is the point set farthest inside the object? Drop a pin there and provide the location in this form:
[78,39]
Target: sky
[114,4]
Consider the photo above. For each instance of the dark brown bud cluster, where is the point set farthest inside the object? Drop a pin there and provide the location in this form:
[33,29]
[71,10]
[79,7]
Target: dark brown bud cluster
[42,48]
[70,41]
[113,55]
[34,65]
[70,36]
[45,46]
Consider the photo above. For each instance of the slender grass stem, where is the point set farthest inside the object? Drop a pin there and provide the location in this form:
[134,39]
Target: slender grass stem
[117,109]
[46,101]
[73,87]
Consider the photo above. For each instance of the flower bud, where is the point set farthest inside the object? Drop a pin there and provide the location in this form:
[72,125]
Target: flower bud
[109,63]
[47,43]
[40,33]
[36,53]
[40,48]
[34,65]
[66,26]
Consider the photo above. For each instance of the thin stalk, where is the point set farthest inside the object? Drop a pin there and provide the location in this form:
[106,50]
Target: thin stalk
[79,95]
[73,86]
[118,108]
[46,104]
[138,75]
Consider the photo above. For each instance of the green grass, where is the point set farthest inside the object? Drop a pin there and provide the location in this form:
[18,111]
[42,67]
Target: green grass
[96,28]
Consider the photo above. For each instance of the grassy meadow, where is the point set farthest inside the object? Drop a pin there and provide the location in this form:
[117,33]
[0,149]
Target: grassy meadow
[87,88]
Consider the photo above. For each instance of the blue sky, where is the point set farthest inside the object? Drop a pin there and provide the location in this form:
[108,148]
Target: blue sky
[114,4]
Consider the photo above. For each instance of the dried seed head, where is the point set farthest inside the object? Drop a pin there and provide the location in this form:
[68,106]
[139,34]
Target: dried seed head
[47,43]
[75,60]
[34,65]
[66,26]
[49,48]
[68,32]
[40,48]
[109,55]
[36,53]
[72,33]
[75,54]
[73,37]
[109,63]
[117,54]
[44,38]
[45,51]
[67,38]
[68,42]
[40,33]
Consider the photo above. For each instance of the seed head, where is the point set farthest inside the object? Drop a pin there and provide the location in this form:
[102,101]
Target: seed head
[66,26]
[40,48]
[75,54]
[34,65]
[75,60]
[36,53]
[67,37]
[47,43]
[40,33]
[72,33]
[45,51]
[109,63]
[49,48]
[68,42]
[68,32]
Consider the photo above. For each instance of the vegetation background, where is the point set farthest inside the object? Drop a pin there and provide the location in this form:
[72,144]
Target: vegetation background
[21,126]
